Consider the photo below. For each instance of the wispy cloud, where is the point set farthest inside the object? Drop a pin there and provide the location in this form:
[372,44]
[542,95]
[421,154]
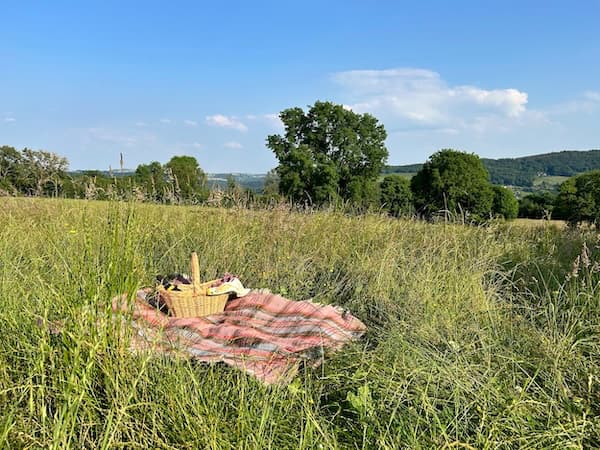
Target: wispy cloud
[233,145]
[219,120]
[190,123]
[592,96]
[116,137]
[141,124]
[9,119]
[420,97]
[197,145]
[587,102]
[166,121]
[272,120]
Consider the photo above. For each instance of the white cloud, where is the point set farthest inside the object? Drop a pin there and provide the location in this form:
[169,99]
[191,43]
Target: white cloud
[233,144]
[9,119]
[141,124]
[219,120]
[166,121]
[197,145]
[421,98]
[190,123]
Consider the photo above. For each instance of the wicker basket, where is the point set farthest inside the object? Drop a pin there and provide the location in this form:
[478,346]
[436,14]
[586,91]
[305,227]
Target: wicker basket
[192,299]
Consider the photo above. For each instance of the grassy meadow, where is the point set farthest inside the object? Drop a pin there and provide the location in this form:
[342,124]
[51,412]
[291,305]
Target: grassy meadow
[479,337]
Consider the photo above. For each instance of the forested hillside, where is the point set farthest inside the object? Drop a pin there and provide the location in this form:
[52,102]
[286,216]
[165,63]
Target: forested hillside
[523,171]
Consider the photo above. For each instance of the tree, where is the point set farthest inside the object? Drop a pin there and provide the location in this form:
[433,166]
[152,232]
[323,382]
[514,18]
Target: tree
[328,153]
[396,196]
[44,172]
[453,182]
[152,179]
[578,199]
[271,184]
[11,169]
[189,178]
[537,205]
[505,204]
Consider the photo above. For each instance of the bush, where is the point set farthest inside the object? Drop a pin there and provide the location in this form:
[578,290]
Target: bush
[396,196]
[505,203]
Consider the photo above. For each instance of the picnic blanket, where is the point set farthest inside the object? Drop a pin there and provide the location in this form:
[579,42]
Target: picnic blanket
[264,334]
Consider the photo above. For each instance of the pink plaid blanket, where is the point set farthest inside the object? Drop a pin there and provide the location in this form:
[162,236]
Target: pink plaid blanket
[264,334]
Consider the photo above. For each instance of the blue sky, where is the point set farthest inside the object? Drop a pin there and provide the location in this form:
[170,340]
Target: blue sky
[89,80]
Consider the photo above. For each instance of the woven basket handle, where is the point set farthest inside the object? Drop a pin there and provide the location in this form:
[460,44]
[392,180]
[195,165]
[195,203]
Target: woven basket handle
[195,272]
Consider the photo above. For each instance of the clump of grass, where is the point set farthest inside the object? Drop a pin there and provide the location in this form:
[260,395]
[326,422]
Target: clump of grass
[479,337]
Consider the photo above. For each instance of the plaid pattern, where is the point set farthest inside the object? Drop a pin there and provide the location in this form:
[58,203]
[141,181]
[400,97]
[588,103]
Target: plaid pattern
[262,333]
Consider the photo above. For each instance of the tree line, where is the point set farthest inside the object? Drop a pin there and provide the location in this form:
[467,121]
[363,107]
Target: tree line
[577,201]
[41,173]
[328,155]
[523,171]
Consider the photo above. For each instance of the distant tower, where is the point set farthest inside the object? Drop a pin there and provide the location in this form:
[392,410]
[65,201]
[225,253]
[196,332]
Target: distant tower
[109,170]
[121,162]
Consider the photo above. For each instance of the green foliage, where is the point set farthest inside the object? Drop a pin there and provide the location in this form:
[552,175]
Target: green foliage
[190,180]
[529,170]
[537,206]
[406,169]
[41,173]
[578,200]
[328,153]
[505,203]
[396,196]
[11,169]
[152,178]
[271,184]
[455,182]
[32,172]
[523,171]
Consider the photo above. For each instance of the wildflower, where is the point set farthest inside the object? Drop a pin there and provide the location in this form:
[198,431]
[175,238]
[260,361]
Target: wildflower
[585,256]
[575,270]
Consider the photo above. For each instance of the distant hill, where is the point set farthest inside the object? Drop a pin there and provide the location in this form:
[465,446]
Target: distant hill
[254,182]
[527,171]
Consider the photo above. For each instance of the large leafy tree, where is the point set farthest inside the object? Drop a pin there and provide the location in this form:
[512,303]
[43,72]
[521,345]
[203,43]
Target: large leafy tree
[455,182]
[46,171]
[33,172]
[190,180]
[578,200]
[329,152]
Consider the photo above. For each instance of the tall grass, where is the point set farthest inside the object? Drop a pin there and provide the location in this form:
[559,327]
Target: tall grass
[479,337]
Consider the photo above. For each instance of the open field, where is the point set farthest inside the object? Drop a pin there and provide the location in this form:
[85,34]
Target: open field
[543,223]
[549,180]
[479,337]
